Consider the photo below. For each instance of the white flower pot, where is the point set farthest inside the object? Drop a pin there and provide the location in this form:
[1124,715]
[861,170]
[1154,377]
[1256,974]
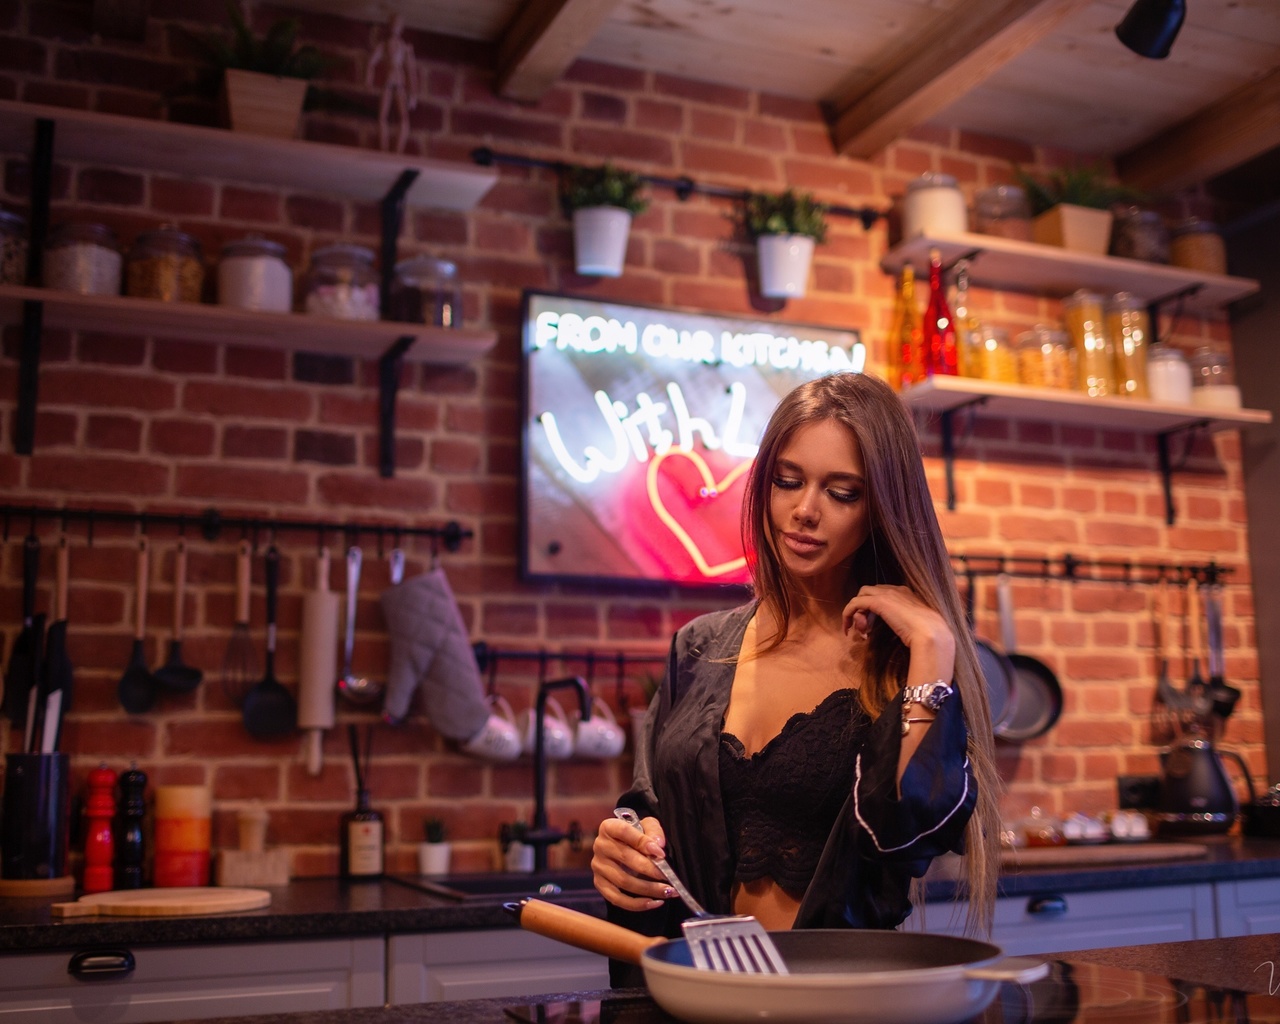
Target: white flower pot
[600,240]
[1078,228]
[263,104]
[784,265]
[433,858]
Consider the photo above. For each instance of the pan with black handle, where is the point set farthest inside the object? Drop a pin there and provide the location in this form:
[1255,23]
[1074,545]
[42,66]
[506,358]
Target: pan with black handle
[997,672]
[1038,704]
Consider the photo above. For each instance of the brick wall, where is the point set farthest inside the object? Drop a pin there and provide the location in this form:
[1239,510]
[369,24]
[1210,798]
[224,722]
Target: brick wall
[165,424]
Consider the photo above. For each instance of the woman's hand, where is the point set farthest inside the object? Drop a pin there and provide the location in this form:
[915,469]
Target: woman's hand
[921,629]
[622,864]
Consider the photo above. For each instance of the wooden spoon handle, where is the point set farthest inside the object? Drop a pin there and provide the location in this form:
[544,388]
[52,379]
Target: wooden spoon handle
[140,588]
[1193,623]
[179,586]
[244,552]
[62,571]
[584,931]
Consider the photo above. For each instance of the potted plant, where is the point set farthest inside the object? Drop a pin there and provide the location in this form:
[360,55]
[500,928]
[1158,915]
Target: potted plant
[1072,207]
[433,855]
[785,227]
[601,201]
[264,81]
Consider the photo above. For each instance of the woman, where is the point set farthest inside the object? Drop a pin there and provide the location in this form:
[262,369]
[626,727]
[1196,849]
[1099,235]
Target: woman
[809,753]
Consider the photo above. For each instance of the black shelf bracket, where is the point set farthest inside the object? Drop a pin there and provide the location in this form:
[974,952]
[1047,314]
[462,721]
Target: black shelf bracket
[1166,465]
[24,434]
[947,436]
[392,360]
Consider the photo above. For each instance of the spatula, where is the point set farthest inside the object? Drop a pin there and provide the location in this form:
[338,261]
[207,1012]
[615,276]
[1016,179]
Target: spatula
[137,687]
[1196,682]
[175,674]
[738,945]
[269,709]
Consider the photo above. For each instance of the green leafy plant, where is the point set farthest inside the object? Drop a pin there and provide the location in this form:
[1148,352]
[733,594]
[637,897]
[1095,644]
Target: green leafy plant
[605,185]
[784,213]
[1076,186]
[276,53]
[433,829]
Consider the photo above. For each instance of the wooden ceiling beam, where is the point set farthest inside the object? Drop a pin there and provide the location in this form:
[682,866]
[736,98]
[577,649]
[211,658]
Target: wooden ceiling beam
[952,57]
[543,39]
[1223,135]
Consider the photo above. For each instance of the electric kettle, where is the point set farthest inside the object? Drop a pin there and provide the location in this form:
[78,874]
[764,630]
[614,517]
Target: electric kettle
[1196,796]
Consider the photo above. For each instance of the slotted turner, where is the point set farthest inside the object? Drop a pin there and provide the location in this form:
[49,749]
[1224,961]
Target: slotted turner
[739,945]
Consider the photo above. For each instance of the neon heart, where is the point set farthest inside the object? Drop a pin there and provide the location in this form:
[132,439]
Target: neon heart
[711,489]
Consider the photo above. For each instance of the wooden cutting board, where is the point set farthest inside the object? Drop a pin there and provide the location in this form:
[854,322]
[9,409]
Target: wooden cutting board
[178,902]
[1103,853]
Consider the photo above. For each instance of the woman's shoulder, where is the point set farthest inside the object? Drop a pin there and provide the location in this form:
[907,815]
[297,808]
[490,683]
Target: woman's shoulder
[711,631]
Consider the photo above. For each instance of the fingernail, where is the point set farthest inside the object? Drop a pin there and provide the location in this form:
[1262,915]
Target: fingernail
[668,893]
[653,849]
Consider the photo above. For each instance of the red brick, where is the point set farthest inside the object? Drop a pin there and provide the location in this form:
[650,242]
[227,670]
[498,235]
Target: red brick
[113,433]
[220,399]
[314,214]
[181,197]
[240,442]
[599,106]
[455,456]
[496,128]
[248,782]
[702,92]
[181,437]
[787,108]
[611,76]
[465,497]
[226,483]
[632,622]
[621,146]
[365,491]
[257,363]
[436,227]
[990,145]
[184,357]
[237,202]
[113,349]
[116,188]
[22,56]
[659,116]
[702,158]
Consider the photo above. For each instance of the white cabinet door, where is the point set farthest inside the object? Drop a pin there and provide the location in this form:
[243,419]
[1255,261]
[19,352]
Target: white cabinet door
[1250,907]
[192,982]
[441,966]
[1059,922]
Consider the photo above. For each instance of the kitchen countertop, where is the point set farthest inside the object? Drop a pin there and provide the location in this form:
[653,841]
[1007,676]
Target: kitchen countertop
[324,907]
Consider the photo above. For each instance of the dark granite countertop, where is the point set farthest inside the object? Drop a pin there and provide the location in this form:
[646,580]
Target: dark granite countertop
[320,907]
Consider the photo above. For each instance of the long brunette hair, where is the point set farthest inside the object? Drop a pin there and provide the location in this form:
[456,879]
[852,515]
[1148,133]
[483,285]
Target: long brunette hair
[905,548]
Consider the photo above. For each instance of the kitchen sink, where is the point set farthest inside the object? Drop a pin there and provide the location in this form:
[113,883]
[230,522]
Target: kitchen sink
[503,885]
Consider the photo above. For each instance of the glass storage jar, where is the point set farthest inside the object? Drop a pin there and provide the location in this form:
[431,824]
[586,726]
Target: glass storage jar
[426,291]
[253,274]
[1197,245]
[1003,211]
[1139,234]
[1168,375]
[165,264]
[82,258]
[342,283]
[1129,329]
[1046,358]
[13,248]
[1082,311]
[992,357]
[1213,382]
[934,205]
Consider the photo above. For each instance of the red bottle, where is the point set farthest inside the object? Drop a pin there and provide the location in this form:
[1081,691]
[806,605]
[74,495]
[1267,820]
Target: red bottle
[99,842]
[940,354]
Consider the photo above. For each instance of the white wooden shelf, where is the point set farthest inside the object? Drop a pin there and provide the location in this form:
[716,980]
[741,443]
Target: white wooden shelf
[293,332]
[313,167]
[1007,264]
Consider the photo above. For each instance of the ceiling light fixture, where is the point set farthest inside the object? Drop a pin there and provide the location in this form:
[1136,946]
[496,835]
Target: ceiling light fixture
[1151,26]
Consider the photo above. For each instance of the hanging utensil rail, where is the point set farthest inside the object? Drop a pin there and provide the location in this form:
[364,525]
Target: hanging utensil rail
[1070,569]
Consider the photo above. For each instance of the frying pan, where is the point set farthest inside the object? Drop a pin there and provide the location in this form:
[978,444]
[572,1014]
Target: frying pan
[1038,704]
[997,672]
[850,976]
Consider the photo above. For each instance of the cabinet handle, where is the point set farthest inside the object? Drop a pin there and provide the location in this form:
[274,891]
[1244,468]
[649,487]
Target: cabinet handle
[1047,906]
[103,963]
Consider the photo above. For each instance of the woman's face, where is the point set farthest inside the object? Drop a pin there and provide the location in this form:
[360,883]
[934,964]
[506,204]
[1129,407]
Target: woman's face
[817,504]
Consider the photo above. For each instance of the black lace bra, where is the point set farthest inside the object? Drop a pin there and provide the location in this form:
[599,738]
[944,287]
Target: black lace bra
[782,801]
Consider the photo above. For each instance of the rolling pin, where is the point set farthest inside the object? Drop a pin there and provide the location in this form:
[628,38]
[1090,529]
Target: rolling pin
[317,663]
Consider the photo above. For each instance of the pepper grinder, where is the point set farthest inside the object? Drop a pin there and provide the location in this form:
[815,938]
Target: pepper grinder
[129,844]
[99,846]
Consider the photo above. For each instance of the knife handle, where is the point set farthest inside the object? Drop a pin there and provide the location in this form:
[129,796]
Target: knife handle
[62,571]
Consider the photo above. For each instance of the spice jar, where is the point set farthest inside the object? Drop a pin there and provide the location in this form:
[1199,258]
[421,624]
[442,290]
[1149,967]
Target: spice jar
[1082,312]
[1213,383]
[13,248]
[1197,245]
[252,274]
[992,357]
[1168,375]
[934,206]
[1140,234]
[426,291]
[1002,210]
[1129,329]
[83,258]
[165,264]
[342,283]
[1046,358]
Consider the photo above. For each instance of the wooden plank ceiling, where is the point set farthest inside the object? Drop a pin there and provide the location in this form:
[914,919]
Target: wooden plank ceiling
[1045,72]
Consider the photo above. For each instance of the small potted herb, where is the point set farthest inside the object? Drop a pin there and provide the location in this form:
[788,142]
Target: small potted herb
[601,202]
[785,227]
[1072,207]
[434,853]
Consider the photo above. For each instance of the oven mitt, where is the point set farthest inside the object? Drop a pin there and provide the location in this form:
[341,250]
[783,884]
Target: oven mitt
[430,647]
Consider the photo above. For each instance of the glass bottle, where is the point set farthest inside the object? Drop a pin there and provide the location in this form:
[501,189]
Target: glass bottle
[906,351]
[968,327]
[361,850]
[1129,329]
[939,330]
[1095,359]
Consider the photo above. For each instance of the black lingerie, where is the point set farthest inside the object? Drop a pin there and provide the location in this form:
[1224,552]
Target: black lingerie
[781,802]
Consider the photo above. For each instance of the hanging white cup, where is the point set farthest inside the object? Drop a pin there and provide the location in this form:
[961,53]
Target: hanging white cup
[557,735]
[600,736]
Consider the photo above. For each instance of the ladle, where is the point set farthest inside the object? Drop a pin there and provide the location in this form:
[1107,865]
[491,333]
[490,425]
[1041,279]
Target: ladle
[269,709]
[357,689]
[174,674]
[137,688]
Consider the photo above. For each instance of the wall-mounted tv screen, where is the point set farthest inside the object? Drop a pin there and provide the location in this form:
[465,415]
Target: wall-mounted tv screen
[639,427]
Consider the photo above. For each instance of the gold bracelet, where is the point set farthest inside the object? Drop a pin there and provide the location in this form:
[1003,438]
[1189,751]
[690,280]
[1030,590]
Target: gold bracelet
[907,722]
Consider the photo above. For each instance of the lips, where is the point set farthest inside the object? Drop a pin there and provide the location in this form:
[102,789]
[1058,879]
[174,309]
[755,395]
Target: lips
[802,543]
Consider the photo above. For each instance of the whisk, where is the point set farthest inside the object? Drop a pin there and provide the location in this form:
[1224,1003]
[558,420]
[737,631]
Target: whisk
[239,662]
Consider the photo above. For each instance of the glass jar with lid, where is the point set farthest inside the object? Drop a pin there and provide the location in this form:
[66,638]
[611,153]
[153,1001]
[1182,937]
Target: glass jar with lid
[1140,234]
[1197,245]
[1168,375]
[253,274]
[1046,358]
[933,207]
[1129,328]
[992,356]
[342,283]
[1095,359]
[1003,211]
[426,291]
[1213,381]
[83,258]
[165,264]
[13,248]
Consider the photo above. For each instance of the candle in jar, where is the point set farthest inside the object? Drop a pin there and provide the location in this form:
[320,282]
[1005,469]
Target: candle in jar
[183,835]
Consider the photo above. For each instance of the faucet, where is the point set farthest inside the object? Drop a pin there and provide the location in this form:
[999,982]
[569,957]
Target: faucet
[540,836]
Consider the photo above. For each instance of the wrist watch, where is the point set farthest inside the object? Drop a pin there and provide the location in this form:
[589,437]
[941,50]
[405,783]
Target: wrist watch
[929,696]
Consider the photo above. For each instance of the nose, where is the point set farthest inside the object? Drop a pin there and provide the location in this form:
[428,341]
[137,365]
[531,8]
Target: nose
[806,509]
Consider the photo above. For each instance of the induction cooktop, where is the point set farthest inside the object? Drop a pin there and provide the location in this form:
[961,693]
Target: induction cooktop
[1072,992]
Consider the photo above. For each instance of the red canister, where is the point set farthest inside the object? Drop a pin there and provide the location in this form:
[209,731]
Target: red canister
[183,835]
